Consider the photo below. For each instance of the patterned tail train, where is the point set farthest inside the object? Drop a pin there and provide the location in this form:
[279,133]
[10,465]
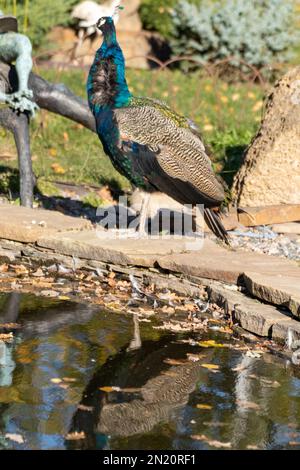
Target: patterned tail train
[213,221]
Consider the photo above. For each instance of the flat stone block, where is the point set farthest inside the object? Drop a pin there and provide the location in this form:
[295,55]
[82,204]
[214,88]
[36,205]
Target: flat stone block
[280,330]
[222,264]
[130,251]
[252,315]
[278,289]
[267,215]
[293,227]
[27,225]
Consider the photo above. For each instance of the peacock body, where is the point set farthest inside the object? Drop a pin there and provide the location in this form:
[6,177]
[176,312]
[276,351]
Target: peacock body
[150,144]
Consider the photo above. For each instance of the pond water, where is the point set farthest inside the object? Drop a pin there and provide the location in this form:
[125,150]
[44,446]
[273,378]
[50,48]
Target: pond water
[52,373]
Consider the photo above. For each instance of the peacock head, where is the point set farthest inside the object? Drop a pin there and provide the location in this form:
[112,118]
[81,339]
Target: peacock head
[105,24]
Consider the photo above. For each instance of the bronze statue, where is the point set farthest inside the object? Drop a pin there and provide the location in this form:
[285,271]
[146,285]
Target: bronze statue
[22,93]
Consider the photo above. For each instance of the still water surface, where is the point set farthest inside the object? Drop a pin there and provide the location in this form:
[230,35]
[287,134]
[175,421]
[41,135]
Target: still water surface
[64,353]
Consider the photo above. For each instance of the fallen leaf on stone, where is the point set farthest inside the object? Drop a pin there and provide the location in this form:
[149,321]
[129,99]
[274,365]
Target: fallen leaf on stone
[167,309]
[10,326]
[3,268]
[38,273]
[15,437]
[204,407]
[75,436]
[248,405]
[210,366]
[50,293]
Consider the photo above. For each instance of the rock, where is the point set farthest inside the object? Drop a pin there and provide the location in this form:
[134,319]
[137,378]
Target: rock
[222,264]
[251,314]
[128,251]
[27,225]
[280,330]
[289,228]
[254,216]
[276,289]
[129,19]
[271,170]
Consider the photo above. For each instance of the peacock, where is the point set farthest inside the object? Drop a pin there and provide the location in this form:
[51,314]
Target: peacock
[150,144]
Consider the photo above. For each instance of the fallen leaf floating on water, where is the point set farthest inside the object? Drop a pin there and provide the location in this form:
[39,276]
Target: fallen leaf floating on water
[109,389]
[247,405]
[212,443]
[119,389]
[210,366]
[175,362]
[75,436]
[204,407]
[211,344]
[15,437]
[85,408]
[56,381]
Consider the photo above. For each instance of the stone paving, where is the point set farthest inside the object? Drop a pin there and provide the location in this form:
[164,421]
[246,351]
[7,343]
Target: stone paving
[274,282]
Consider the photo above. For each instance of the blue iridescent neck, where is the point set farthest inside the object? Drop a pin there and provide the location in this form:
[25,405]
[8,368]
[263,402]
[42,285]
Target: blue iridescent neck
[107,86]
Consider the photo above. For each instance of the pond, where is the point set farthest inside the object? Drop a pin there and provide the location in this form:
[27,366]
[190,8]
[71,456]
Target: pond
[77,377]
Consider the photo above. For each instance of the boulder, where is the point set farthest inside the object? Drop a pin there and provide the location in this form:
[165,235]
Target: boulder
[270,173]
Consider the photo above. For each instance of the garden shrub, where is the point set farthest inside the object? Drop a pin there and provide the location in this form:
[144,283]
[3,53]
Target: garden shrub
[38,17]
[156,15]
[257,31]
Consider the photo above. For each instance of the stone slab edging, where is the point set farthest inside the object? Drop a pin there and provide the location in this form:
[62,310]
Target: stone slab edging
[254,316]
[22,224]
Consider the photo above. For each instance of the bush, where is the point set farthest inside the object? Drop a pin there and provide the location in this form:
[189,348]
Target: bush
[156,15]
[258,32]
[38,17]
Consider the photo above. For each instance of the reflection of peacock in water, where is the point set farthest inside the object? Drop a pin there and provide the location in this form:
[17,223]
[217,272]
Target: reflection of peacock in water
[155,148]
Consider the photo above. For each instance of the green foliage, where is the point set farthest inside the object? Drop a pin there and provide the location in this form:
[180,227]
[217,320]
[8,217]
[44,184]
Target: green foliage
[156,15]
[37,17]
[257,32]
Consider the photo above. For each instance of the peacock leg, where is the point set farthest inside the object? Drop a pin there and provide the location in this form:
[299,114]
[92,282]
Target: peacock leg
[143,216]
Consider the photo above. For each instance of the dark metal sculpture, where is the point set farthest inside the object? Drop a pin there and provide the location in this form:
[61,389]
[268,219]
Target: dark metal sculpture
[22,93]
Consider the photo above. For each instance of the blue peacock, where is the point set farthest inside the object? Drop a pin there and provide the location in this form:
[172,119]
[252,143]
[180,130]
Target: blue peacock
[147,142]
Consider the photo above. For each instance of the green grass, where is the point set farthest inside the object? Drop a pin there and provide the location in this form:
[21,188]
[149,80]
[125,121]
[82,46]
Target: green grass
[228,115]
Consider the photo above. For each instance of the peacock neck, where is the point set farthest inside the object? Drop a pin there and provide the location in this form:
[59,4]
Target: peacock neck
[107,86]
